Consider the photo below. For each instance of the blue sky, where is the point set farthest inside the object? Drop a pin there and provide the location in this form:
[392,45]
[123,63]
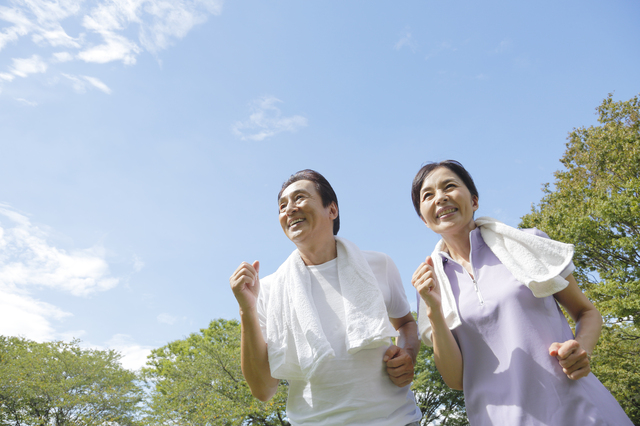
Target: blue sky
[143,142]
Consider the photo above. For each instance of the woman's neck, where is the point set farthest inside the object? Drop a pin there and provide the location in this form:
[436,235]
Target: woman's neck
[459,245]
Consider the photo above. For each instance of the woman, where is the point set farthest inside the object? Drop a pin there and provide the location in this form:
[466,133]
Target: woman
[502,339]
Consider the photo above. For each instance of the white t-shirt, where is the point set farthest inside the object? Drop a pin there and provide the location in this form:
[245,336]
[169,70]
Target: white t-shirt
[350,389]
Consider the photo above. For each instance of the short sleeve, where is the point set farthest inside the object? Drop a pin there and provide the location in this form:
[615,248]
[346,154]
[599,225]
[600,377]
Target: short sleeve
[261,306]
[388,276]
[535,231]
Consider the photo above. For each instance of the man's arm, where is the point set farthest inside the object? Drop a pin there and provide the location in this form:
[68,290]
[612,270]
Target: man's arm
[400,359]
[254,358]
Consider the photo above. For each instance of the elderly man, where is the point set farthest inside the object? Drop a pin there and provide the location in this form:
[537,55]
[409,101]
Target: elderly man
[324,321]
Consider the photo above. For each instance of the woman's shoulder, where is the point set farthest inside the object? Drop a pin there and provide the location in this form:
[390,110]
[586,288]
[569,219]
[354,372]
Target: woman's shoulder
[534,231]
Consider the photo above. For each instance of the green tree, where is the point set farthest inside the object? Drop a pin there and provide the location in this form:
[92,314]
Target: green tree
[594,205]
[436,400]
[198,381]
[59,383]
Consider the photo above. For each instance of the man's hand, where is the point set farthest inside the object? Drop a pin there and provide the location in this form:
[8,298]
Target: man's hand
[399,365]
[572,358]
[245,284]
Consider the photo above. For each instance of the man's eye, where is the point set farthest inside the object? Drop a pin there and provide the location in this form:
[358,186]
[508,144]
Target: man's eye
[426,195]
[282,207]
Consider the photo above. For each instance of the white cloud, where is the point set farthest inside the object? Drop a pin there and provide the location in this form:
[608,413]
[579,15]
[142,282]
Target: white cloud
[26,102]
[138,264]
[28,263]
[266,121]
[6,77]
[167,319]
[25,66]
[80,83]
[442,47]
[406,40]
[22,315]
[115,48]
[108,29]
[97,84]
[62,57]
[134,356]
[504,46]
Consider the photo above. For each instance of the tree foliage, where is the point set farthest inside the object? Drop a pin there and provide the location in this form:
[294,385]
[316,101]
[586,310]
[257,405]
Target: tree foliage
[198,381]
[594,205]
[57,383]
[436,400]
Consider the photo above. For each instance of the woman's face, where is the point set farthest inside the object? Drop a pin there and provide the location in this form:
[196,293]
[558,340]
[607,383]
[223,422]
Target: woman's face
[446,205]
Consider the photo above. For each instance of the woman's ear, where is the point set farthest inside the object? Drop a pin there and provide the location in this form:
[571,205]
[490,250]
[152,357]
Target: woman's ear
[474,202]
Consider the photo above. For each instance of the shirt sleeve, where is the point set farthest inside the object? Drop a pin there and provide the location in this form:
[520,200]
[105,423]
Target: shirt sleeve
[535,231]
[390,283]
[261,306]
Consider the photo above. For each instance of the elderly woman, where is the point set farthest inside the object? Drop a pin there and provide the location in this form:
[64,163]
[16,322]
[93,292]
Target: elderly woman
[488,306]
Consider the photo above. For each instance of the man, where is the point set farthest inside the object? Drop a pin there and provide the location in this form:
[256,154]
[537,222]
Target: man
[323,321]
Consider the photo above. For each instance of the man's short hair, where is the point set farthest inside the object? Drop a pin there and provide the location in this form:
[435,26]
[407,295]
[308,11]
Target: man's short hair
[323,187]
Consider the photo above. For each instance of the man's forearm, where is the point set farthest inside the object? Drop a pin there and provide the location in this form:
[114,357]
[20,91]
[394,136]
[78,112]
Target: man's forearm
[254,358]
[409,340]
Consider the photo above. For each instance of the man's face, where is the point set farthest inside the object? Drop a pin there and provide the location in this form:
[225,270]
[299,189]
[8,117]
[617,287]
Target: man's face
[302,216]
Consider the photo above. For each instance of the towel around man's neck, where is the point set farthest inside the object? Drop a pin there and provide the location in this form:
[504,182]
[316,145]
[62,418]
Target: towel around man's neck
[535,261]
[296,342]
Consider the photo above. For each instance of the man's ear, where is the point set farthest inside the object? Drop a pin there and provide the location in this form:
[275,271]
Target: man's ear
[333,210]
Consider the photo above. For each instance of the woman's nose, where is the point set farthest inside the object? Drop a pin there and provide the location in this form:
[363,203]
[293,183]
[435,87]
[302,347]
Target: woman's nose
[441,196]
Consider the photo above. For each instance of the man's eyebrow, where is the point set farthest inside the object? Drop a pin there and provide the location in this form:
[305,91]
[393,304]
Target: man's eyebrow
[297,191]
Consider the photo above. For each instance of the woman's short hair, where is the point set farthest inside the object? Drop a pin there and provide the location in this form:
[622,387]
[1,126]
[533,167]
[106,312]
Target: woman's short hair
[323,187]
[426,170]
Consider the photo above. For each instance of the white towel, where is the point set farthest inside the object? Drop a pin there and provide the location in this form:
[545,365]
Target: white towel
[296,342]
[535,261]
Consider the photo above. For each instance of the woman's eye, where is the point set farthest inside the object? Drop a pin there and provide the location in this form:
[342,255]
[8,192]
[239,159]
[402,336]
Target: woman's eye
[426,196]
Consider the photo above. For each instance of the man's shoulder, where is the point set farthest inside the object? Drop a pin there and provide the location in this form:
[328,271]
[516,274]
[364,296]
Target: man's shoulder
[371,255]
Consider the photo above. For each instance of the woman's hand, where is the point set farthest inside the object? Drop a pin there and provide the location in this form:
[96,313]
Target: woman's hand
[572,357]
[425,281]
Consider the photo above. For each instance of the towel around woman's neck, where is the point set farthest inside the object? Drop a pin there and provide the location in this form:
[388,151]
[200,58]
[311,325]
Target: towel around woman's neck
[535,261]
[296,342]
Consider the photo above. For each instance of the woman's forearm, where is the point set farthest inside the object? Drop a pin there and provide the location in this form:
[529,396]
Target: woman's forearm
[446,352]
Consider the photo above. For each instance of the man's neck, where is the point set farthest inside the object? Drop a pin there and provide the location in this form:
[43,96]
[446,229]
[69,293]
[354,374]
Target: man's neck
[318,252]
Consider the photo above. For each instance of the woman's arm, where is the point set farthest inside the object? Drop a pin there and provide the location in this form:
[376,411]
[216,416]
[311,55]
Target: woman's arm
[573,355]
[446,352]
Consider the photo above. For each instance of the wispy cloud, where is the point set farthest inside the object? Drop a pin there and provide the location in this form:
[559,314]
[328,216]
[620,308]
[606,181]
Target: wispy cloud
[167,319]
[107,29]
[22,67]
[406,40]
[442,47]
[81,82]
[266,120]
[29,263]
[505,46]
[26,102]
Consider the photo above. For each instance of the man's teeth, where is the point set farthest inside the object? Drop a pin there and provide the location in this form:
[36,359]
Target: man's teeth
[295,221]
